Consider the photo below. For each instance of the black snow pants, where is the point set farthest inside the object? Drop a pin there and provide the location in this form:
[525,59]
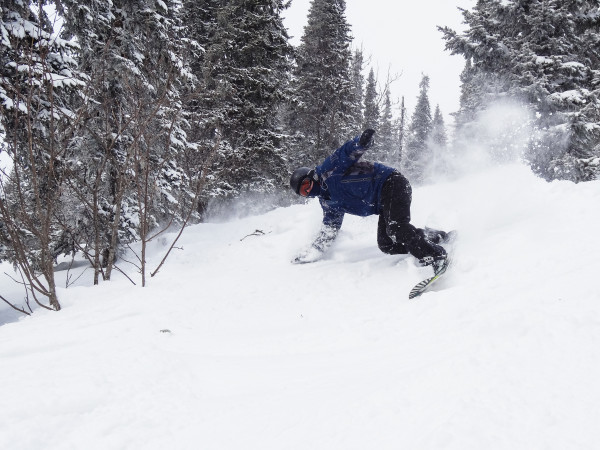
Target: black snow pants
[395,234]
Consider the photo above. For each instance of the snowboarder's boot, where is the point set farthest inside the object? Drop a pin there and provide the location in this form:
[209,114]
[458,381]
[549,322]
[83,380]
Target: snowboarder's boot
[438,263]
[438,236]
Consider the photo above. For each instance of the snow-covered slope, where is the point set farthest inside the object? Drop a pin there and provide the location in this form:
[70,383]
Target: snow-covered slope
[263,354]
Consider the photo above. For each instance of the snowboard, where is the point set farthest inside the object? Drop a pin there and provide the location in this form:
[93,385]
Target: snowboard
[424,285]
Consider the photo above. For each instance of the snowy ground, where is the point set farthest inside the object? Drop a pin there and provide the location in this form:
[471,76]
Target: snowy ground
[263,354]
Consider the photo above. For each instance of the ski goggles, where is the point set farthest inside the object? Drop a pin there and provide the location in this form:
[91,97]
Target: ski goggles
[305,187]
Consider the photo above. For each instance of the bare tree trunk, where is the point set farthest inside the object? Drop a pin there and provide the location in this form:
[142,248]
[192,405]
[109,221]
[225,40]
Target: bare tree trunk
[31,191]
[111,250]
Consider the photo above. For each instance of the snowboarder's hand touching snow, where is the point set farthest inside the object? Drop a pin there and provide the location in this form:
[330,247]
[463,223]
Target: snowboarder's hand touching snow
[308,256]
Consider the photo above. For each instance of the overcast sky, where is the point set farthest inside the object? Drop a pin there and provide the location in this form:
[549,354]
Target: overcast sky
[402,35]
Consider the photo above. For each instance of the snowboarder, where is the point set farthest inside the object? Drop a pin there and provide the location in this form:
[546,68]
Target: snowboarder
[344,184]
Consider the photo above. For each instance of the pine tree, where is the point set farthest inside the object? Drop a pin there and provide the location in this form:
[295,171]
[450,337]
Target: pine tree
[386,141]
[479,91]
[246,76]
[540,52]
[470,97]
[438,142]
[417,154]
[134,133]
[371,116]
[439,136]
[199,18]
[400,132]
[322,88]
[38,78]
[358,94]
[562,59]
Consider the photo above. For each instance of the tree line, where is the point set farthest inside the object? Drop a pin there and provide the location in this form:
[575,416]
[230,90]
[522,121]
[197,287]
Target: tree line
[546,55]
[121,119]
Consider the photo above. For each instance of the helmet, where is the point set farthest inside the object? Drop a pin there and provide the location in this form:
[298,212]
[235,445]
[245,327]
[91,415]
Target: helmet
[297,176]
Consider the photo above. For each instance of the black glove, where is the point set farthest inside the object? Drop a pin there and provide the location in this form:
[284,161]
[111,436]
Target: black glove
[366,138]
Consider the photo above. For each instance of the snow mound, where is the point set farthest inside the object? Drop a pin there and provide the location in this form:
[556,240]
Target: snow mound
[232,347]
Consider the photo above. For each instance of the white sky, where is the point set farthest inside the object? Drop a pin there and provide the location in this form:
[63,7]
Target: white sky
[402,35]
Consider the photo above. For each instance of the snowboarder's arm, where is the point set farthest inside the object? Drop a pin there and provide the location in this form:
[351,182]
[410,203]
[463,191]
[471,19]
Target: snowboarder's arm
[345,156]
[332,222]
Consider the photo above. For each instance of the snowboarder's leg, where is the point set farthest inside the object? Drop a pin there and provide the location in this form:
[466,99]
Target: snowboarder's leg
[386,243]
[396,198]
[437,236]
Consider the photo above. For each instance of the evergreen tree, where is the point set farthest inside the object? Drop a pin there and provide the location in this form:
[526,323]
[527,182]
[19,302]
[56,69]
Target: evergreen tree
[199,18]
[322,88]
[541,52]
[439,136]
[358,94]
[386,142]
[400,131]
[246,76]
[200,25]
[438,143]
[371,116]
[131,143]
[560,53]
[37,80]
[470,96]
[479,91]
[417,155]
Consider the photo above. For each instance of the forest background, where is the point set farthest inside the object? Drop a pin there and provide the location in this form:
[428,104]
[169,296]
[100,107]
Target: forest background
[123,119]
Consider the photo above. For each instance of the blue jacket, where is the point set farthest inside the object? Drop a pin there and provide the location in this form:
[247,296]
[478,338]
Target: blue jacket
[350,186]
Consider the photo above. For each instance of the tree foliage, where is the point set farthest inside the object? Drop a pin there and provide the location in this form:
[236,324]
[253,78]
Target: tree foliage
[38,78]
[387,138]
[546,53]
[371,111]
[417,154]
[323,103]
[357,81]
[125,117]
[128,176]
[245,80]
